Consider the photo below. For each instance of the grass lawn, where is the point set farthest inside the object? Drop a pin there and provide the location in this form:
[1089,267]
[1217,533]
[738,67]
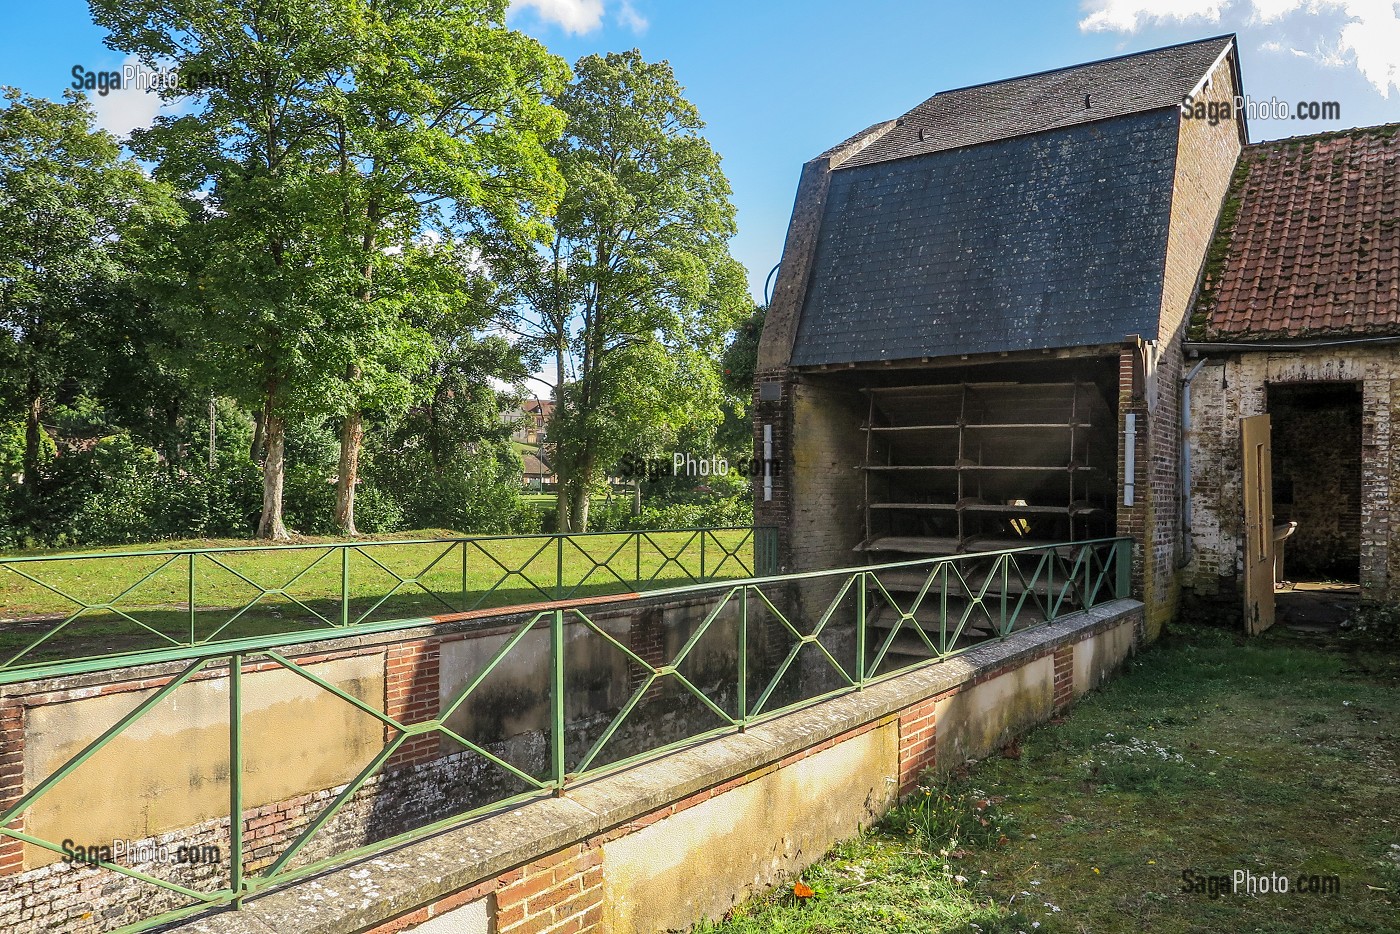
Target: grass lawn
[1211,754]
[141,602]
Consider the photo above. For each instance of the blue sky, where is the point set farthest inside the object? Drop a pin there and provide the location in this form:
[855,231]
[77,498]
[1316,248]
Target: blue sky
[778,81]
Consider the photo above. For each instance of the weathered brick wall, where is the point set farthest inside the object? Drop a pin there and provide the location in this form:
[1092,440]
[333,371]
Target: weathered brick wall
[1064,676]
[411,692]
[1134,520]
[828,492]
[1234,385]
[1205,160]
[773,507]
[818,495]
[918,741]
[561,893]
[11,779]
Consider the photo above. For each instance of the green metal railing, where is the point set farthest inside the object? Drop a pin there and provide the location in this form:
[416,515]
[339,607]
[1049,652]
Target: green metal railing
[61,607]
[864,624]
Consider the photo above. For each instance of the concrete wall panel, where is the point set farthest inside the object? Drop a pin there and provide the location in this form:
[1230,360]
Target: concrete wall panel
[979,719]
[476,918]
[1096,658]
[170,769]
[702,861]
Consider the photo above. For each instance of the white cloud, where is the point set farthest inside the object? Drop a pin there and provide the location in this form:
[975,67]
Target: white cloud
[1271,11]
[1369,37]
[581,16]
[1279,48]
[575,16]
[628,16]
[1373,37]
[1130,15]
[124,109]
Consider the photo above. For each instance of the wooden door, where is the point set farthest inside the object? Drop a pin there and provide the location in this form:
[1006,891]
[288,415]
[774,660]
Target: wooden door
[1258,525]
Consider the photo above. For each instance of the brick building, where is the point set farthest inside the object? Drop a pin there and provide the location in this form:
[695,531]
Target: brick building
[979,334]
[1298,321]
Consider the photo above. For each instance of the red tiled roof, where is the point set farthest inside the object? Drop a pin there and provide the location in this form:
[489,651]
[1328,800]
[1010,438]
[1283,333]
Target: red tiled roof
[1309,241]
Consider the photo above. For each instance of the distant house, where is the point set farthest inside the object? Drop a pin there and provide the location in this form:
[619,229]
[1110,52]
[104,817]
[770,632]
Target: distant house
[535,415]
[529,436]
[537,472]
[989,321]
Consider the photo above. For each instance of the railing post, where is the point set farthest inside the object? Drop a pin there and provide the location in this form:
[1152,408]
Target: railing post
[556,659]
[1006,624]
[235,778]
[464,575]
[702,556]
[743,647]
[1088,596]
[637,537]
[1123,557]
[559,567]
[190,593]
[943,608]
[344,585]
[864,582]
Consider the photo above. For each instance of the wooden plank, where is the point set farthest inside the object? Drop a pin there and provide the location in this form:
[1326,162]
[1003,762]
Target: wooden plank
[1258,524]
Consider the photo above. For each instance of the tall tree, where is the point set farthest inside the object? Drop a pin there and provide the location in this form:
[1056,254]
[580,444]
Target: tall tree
[634,291]
[443,126]
[67,198]
[332,132]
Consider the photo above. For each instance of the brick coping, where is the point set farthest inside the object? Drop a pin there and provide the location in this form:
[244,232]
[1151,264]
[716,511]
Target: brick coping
[469,860]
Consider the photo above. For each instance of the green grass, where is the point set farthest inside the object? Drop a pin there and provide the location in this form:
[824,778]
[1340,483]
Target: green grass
[229,603]
[1210,754]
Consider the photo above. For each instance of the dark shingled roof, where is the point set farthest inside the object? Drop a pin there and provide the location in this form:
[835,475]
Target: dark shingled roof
[1050,100]
[1056,239]
[1309,241]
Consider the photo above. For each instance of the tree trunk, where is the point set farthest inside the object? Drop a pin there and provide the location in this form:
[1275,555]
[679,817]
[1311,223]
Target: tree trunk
[33,431]
[256,448]
[561,472]
[352,432]
[274,471]
[583,475]
[579,508]
[173,453]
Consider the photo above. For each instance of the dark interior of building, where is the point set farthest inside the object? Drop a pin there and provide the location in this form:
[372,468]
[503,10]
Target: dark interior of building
[989,458]
[1317,478]
[959,460]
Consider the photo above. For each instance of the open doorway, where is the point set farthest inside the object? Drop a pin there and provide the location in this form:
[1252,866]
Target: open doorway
[1317,485]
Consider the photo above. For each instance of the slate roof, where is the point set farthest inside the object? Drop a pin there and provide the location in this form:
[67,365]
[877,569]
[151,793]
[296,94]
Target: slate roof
[1057,239]
[1309,241]
[1049,100]
[1005,217]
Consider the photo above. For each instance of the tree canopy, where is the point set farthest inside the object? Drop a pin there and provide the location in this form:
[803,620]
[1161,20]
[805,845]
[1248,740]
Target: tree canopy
[634,290]
[308,297]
